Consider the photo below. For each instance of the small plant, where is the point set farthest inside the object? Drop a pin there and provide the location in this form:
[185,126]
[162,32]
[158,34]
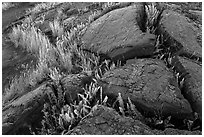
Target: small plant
[107,5]
[64,56]
[42,6]
[93,16]
[25,82]
[61,118]
[152,17]
[55,75]
[16,88]
[57,29]
[67,118]
[29,39]
[121,107]
[132,110]
[7,5]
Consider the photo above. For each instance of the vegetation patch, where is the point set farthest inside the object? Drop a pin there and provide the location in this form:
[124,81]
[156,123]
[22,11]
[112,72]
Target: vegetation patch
[53,32]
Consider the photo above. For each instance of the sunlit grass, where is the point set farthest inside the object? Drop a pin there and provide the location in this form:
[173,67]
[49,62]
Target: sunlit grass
[55,61]
[57,29]
[152,17]
[29,39]
[66,117]
[25,82]
[7,5]
[50,57]
[16,88]
[43,6]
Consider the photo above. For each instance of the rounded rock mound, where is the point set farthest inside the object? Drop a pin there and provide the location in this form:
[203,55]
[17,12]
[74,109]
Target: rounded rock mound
[106,121]
[150,85]
[118,34]
[180,33]
[191,73]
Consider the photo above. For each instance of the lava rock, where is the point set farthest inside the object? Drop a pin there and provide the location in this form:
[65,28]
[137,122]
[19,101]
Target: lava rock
[171,131]
[192,84]
[25,112]
[103,120]
[179,33]
[150,85]
[73,84]
[118,35]
[106,121]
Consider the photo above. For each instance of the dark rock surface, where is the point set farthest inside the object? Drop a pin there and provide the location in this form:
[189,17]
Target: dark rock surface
[117,34]
[14,13]
[171,131]
[74,84]
[180,33]
[106,121]
[192,86]
[12,57]
[25,111]
[151,86]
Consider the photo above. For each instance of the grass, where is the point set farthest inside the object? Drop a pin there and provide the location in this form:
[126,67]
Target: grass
[25,83]
[152,17]
[50,57]
[16,88]
[30,39]
[7,5]
[43,6]
[57,29]
[33,41]
[62,119]
[60,58]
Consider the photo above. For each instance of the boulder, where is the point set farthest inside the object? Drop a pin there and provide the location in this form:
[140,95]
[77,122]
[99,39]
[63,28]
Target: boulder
[150,85]
[180,34]
[103,120]
[171,131]
[74,84]
[106,121]
[118,34]
[192,86]
[25,112]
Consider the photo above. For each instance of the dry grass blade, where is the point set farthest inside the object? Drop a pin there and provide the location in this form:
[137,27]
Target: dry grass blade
[7,5]
[57,29]
[152,17]
[120,100]
[42,6]
[105,100]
